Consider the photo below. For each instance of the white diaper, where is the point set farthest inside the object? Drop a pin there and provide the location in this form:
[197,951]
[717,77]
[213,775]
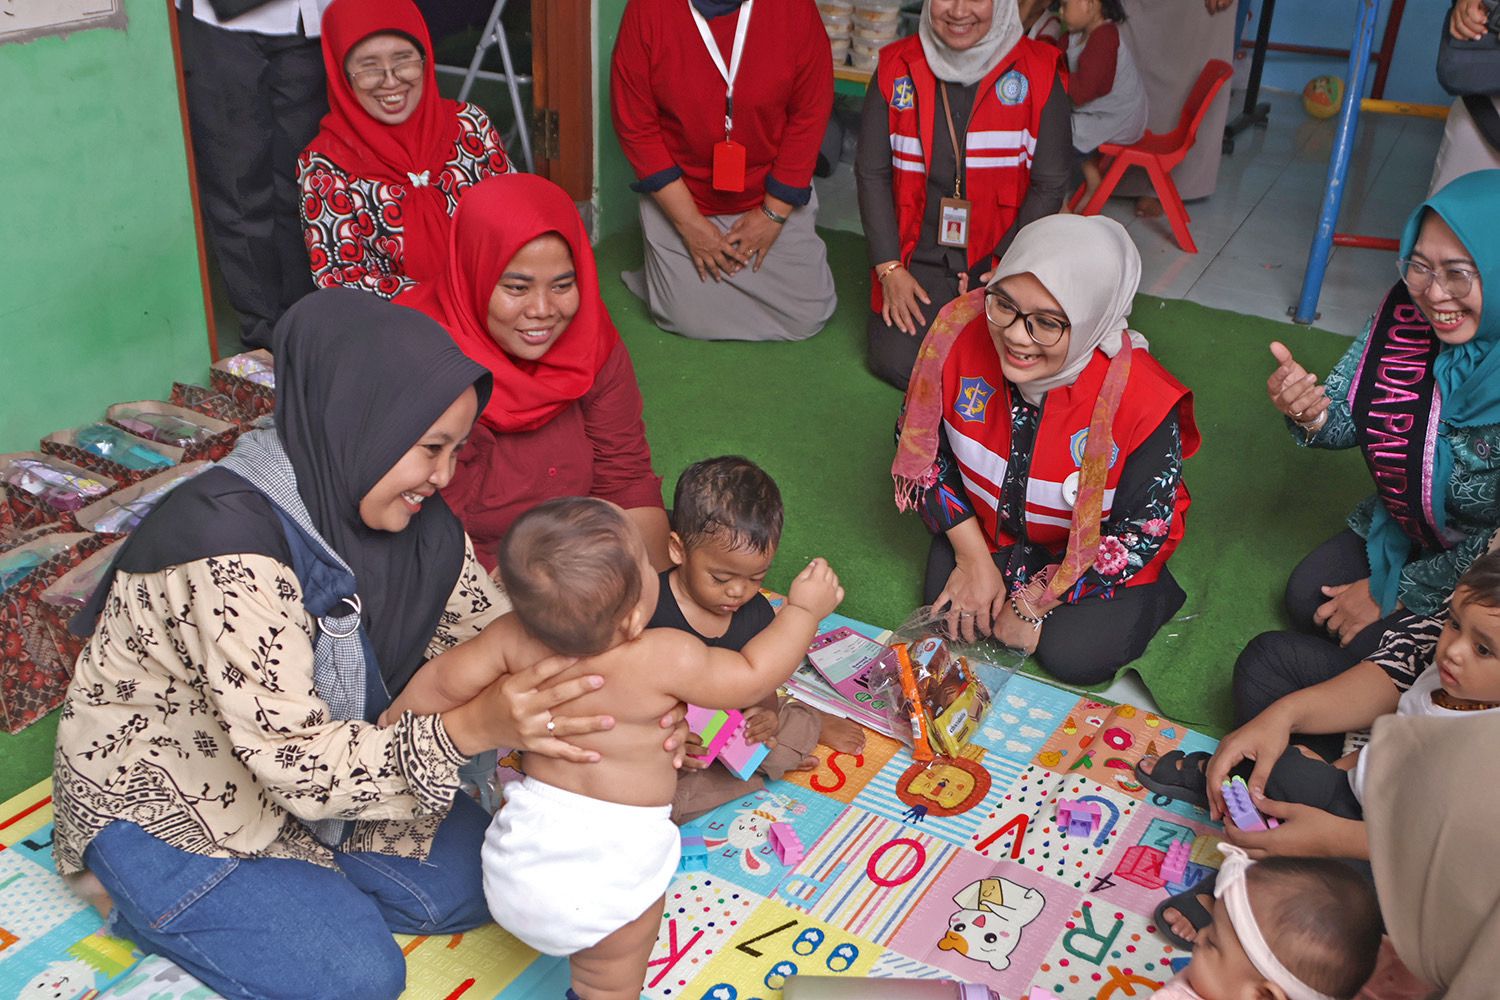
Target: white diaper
[563,871]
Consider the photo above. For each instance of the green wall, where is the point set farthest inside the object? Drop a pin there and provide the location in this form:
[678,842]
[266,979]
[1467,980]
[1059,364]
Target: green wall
[614,201]
[100,298]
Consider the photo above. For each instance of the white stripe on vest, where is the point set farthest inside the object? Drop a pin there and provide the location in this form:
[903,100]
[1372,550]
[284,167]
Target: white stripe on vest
[1001,139]
[989,464]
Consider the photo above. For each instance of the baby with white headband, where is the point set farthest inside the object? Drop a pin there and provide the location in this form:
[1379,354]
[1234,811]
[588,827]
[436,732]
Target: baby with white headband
[1322,933]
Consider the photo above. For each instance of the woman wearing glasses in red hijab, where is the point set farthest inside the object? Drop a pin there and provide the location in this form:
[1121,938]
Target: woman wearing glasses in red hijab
[382,178]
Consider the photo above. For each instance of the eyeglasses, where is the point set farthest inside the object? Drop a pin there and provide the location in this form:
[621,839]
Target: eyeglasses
[1456,281]
[1044,329]
[407,70]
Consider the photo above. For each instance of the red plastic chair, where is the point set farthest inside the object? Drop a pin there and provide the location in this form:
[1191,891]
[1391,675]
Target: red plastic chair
[1158,154]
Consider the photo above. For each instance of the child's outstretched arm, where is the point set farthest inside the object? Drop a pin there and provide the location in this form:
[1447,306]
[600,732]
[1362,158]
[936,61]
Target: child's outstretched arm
[722,678]
[456,676]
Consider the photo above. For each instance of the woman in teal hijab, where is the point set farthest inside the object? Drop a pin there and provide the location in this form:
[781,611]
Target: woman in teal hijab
[1419,394]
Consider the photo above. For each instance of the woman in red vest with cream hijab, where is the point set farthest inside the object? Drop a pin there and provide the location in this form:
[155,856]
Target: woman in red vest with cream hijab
[967,88]
[1043,447]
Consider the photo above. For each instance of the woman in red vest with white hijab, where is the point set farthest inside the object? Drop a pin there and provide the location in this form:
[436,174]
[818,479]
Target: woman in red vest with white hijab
[967,81]
[1043,447]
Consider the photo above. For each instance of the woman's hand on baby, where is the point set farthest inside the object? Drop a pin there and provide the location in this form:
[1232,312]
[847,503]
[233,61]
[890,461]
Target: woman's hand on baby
[1303,832]
[1348,610]
[517,709]
[1263,739]
[816,590]
[761,724]
[900,293]
[677,741]
[975,596]
[1294,390]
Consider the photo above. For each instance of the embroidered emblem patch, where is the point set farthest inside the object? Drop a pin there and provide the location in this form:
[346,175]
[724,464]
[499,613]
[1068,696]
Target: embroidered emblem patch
[973,399]
[903,94]
[1013,87]
[1080,440]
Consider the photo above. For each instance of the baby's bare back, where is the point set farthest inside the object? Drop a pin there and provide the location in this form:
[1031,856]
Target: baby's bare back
[634,769]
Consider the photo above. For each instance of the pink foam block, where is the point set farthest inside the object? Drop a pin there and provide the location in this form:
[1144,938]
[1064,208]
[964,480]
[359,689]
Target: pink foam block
[786,843]
[1175,866]
[716,726]
[740,757]
[1077,819]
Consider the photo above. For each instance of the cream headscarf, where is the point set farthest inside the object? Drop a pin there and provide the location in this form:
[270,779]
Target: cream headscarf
[1092,268]
[968,66]
[1431,812]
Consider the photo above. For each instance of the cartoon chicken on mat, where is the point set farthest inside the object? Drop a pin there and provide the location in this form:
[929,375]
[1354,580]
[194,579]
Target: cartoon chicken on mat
[988,924]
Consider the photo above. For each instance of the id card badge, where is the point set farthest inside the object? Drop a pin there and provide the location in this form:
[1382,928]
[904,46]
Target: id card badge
[729,166]
[953,223]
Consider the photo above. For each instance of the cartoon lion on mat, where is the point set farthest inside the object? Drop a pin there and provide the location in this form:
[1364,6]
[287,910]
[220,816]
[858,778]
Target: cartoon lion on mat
[987,926]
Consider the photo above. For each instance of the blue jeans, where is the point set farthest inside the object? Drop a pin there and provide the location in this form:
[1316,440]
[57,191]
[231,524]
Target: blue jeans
[270,928]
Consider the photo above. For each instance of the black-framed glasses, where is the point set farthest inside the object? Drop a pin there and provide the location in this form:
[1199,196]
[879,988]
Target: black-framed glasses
[1045,329]
[1456,281]
[408,70]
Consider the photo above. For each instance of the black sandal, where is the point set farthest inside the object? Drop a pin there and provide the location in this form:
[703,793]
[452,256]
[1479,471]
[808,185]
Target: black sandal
[1182,780]
[1185,903]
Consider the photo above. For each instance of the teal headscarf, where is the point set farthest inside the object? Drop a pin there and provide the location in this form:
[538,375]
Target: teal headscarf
[1468,374]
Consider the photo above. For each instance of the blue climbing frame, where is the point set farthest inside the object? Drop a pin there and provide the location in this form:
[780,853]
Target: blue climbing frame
[1338,163]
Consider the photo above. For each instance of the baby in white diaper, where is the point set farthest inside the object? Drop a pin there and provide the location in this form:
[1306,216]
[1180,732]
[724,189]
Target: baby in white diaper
[578,859]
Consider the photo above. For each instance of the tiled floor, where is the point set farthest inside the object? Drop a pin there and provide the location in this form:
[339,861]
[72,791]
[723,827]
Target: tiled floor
[1254,233]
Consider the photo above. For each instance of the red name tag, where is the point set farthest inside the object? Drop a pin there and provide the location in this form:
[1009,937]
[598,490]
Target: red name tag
[729,166]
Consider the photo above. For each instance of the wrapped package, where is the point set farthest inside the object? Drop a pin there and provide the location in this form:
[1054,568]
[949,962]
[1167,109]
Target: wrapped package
[938,690]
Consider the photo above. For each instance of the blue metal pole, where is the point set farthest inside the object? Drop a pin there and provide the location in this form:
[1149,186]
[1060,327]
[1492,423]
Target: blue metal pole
[1338,164]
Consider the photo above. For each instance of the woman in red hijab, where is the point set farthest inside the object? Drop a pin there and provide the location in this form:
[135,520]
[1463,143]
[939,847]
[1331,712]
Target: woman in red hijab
[521,296]
[382,178]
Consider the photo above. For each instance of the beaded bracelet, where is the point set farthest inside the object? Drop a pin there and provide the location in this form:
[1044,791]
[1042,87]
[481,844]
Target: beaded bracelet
[1035,622]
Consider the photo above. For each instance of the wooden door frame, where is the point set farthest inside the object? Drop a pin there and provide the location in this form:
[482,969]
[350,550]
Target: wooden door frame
[562,57]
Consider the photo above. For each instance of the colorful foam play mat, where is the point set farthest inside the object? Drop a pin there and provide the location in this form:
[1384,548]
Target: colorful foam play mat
[954,870]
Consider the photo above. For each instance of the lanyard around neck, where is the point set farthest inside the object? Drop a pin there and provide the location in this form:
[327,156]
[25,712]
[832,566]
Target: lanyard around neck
[733,69]
[958,153]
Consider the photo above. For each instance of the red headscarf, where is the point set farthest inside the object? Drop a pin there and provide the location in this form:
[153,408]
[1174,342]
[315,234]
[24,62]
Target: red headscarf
[494,220]
[392,154]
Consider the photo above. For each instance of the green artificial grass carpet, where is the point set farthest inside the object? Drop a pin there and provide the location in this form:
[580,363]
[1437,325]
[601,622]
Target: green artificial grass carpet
[813,416]
[823,426]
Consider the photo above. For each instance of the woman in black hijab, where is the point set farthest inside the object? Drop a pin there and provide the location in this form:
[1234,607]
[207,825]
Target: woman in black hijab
[218,767]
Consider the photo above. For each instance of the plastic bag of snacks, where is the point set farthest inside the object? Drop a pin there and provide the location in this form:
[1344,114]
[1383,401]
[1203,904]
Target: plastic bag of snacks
[938,688]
